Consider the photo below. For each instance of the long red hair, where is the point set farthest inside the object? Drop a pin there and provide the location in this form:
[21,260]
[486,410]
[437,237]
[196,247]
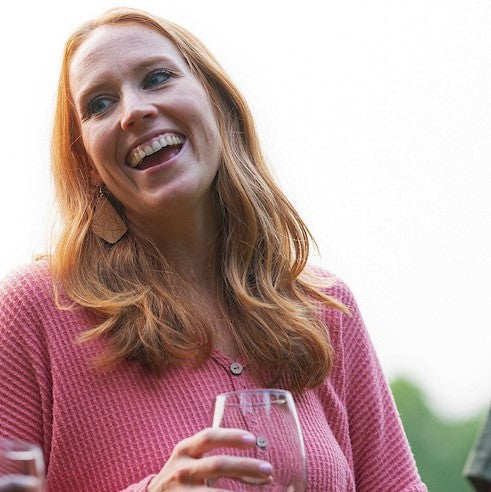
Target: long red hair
[272,303]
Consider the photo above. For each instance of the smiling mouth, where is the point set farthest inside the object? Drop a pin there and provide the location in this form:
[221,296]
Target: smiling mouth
[157,151]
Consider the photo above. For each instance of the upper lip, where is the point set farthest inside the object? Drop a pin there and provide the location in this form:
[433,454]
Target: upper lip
[148,138]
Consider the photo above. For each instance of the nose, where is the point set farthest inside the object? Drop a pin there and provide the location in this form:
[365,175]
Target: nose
[136,109]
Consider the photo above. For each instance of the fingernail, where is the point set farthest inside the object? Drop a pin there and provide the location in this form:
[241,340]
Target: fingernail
[266,467]
[248,439]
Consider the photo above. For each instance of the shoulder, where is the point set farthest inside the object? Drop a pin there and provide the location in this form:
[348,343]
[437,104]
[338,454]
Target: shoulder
[342,318]
[33,278]
[332,285]
[24,291]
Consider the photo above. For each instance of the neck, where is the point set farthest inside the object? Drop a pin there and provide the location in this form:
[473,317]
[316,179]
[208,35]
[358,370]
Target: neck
[188,243]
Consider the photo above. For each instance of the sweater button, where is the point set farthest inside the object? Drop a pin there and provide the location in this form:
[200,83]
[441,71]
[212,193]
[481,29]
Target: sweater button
[236,368]
[261,442]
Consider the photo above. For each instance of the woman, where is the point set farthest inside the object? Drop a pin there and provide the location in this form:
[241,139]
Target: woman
[180,273]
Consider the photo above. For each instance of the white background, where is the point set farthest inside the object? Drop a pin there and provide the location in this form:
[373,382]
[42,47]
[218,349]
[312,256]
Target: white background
[376,119]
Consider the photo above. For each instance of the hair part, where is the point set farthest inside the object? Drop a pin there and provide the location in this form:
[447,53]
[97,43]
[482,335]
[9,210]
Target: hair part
[271,301]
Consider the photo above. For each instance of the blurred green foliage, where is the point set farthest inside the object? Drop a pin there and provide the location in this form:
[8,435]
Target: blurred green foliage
[440,446]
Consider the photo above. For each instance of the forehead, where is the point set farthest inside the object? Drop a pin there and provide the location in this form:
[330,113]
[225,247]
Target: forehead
[121,44]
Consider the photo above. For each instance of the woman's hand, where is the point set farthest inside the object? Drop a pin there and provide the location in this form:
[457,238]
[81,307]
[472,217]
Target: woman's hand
[187,468]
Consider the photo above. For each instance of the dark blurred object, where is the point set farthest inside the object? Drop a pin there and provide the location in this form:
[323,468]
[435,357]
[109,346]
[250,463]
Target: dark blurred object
[478,466]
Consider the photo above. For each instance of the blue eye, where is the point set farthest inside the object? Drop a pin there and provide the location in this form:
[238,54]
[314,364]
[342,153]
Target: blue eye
[156,78]
[98,105]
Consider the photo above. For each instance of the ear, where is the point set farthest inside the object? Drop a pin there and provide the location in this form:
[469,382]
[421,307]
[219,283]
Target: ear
[94,175]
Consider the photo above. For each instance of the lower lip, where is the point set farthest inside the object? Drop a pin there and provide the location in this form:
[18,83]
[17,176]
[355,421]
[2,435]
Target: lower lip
[163,165]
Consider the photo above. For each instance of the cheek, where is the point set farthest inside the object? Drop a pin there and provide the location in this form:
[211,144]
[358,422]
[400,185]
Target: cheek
[98,171]
[97,145]
[89,140]
[210,128]
[198,110]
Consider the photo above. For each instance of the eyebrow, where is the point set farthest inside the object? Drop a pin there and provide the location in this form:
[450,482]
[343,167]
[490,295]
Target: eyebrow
[138,67]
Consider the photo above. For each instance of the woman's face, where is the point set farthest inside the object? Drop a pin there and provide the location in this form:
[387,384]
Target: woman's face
[146,122]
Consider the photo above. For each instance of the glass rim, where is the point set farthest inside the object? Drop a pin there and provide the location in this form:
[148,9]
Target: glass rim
[18,449]
[252,391]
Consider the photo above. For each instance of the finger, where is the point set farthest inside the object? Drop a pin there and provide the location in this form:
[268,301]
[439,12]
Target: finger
[209,439]
[256,481]
[223,466]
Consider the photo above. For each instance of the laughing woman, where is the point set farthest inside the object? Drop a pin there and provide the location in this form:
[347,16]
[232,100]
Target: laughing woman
[180,273]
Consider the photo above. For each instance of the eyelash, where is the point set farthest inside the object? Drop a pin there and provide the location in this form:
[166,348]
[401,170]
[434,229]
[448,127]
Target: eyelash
[89,110]
[160,71]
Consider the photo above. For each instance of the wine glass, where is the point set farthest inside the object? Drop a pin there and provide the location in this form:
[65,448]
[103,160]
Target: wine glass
[21,466]
[271,416]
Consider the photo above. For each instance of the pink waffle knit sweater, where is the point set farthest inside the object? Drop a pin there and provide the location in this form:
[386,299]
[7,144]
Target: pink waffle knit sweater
[114,431]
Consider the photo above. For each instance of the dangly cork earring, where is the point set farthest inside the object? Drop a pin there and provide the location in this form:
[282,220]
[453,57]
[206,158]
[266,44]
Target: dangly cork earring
[106,222]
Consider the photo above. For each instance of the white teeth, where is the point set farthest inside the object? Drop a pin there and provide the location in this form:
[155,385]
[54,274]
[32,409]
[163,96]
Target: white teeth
[154,146]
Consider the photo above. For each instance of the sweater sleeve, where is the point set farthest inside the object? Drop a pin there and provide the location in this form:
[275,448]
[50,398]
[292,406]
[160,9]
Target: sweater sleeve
[26,399]
[382,458]
[25,385]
